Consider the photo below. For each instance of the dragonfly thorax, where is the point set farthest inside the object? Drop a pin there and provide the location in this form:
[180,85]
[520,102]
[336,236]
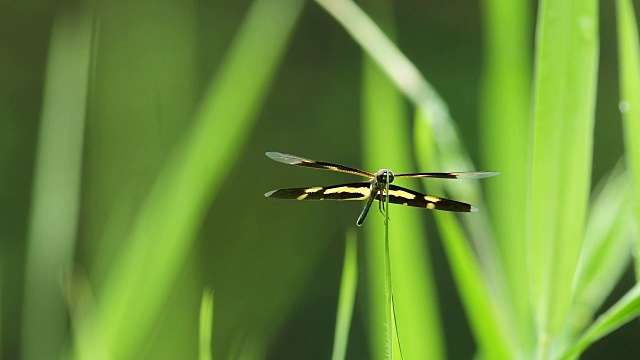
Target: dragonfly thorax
[381,177]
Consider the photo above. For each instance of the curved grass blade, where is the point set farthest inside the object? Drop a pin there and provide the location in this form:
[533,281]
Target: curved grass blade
[606,252]
[625,310]
[157,248]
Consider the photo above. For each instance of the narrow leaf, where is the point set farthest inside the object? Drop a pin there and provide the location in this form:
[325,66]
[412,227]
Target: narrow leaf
[504,136]
[629,57]
[348,286]
[625,310]
[607,249]
[563,116]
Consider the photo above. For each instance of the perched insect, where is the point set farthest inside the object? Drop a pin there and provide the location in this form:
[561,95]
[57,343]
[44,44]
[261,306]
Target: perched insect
[374,189]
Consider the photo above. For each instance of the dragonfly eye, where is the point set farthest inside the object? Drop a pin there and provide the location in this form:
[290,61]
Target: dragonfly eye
[381,176]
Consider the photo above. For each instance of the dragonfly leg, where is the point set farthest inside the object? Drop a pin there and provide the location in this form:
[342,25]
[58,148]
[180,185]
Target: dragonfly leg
[365,211]
[382,202]
[381,206]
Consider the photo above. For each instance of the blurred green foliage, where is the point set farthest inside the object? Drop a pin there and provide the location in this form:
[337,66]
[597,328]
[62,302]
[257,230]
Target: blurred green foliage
[241,78]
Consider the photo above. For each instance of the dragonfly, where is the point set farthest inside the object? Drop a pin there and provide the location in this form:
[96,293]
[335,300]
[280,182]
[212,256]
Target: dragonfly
[374,189]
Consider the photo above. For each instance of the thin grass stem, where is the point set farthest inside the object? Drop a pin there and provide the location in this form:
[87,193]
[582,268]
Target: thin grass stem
[348,286]
[387,278]
[206,324]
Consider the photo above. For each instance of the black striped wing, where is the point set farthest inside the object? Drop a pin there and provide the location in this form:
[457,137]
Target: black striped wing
[300,161]
[450,175]
[400,195]
[354,191]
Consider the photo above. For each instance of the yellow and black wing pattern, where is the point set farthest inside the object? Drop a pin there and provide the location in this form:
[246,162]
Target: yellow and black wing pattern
[362,190]
[374,189]
[354,191]
[403,196]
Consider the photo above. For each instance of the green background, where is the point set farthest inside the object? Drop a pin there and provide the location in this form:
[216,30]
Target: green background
[274,266]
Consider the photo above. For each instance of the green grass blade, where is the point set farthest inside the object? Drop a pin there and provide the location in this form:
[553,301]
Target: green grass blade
[487,322]
[348,286]
[379,47]
[56,189]
[388,284]
[414,290]
[206,324]
[504,135]
[561,148]
[392,320]
[607,250]
[629,58]
[625,310]
[167,223]
[88,342]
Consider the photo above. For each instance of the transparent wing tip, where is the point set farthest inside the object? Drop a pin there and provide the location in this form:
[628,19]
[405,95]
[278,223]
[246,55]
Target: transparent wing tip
[477,174]
[492,173]
[285,158]
[273,155]
[473,209]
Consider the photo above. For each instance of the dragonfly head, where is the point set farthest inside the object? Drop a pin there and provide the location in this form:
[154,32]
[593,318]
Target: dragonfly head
[381,176]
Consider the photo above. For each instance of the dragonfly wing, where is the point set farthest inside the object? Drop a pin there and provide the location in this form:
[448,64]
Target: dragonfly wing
[403,196]
[451,175]
[353,191]
[300,161]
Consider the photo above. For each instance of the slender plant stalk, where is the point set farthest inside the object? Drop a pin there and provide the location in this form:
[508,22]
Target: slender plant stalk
[387,278]
[504,127]
[348,286]
[206,324]
[384,121]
